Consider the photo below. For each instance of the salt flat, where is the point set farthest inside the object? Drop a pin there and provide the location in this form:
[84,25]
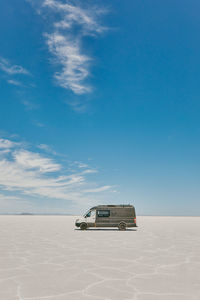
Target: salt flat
[45,257]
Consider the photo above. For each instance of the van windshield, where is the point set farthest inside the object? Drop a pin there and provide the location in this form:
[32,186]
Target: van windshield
[90,213]
[87,214]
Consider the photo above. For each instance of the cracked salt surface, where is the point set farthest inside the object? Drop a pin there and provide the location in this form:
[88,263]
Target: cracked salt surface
[45,257]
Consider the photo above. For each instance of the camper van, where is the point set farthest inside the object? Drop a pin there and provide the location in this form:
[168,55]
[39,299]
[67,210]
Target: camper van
[121,216]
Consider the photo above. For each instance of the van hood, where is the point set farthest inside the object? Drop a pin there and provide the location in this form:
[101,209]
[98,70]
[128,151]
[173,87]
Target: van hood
[80,219]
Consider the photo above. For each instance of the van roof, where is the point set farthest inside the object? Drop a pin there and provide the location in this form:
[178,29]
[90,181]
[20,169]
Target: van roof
[110,205]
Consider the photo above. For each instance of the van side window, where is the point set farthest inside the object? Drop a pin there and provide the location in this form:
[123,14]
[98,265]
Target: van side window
[103,213]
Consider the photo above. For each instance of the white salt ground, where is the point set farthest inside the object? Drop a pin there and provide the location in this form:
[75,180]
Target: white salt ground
[45,257]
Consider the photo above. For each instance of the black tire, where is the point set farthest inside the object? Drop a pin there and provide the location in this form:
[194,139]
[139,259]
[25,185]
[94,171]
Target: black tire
[122,226]
[83,226]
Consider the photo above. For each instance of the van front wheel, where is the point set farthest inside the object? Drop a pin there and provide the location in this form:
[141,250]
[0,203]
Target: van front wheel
[83,226]
[122,226]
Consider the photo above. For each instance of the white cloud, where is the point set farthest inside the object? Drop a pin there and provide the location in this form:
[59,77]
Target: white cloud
[47,148]
[31,160]
[81,164]
[87,18]
[64,42]
[6,144]
[14,82]
[99,189]
[74,68]
[90,171]
[6,66]
[3,152]
[28,173]
[38,124]
[29,104]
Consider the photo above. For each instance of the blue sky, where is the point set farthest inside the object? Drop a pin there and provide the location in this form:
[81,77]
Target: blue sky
[100,104]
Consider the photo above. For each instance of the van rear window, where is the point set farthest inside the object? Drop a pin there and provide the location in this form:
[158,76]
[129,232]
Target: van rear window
[103,213]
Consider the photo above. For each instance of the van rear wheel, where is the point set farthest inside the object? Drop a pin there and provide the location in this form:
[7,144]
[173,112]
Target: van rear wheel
[122,226]
[83,226]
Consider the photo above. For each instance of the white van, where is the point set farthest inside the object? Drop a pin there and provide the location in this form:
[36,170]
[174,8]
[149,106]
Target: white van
[121,216]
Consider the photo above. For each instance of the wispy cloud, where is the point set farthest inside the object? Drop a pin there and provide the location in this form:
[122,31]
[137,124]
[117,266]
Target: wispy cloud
[11,72]
[38,124]
[29,105]
[47,148]
[99,189]
[73,22]
[14,82]
[27,172]
[34,161]
[74,64]
[10,69]
[7,144]
[72,14]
